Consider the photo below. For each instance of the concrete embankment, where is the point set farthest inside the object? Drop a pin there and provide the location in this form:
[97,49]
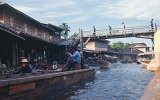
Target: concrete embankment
[44,86]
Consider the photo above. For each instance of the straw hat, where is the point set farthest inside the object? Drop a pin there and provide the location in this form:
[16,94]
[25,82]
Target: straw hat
[24,60]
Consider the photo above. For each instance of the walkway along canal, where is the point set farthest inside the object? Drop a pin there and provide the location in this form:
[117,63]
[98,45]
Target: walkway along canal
[120,82]
[42,86]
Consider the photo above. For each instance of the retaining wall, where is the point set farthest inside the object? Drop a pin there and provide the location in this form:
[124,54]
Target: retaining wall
[44,86]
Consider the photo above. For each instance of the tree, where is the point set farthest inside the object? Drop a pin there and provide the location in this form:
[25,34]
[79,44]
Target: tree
[118,46]
[74,36]
[66,30]
[126,45]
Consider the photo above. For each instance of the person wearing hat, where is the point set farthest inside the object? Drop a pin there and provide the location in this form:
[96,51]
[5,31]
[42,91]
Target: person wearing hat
[25,67]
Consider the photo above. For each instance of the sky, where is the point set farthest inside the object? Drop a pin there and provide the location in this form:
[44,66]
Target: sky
[85,14]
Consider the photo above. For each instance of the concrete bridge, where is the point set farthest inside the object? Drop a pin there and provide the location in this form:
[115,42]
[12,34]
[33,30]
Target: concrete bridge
[152,92]
[138,31]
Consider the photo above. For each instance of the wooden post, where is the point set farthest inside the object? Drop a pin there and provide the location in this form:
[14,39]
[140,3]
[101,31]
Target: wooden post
[14,51]
[17,56]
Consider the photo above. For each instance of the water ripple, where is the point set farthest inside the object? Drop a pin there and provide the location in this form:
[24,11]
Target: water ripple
[120,82]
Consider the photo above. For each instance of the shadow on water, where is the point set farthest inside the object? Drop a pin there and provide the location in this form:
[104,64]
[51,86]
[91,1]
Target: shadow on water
[120,82]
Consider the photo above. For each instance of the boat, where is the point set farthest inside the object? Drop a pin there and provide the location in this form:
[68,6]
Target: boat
[145,63]
[145,58]
[102,61]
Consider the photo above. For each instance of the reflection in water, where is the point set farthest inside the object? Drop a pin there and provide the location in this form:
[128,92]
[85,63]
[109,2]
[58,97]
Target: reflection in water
[120,82]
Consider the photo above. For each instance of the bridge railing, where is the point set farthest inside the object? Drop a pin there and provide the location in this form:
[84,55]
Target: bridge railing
[119,31]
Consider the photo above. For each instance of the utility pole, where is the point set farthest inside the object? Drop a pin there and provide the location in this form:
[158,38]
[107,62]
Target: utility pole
[81,41]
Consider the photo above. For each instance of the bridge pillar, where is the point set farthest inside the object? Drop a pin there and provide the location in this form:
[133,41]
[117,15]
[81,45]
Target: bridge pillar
[152,43]
[155,27]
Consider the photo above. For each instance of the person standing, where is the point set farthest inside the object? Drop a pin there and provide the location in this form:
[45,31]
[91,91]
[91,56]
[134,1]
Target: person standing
[110,30]
[152,27]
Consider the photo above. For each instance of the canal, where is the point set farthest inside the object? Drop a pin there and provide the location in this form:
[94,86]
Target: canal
[120,82]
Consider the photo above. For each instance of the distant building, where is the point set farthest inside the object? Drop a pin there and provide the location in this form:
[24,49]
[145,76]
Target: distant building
[140,46]
[97,45]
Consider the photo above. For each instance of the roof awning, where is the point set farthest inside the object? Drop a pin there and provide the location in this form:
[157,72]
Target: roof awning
[90,51]
[146,53]
[10,32]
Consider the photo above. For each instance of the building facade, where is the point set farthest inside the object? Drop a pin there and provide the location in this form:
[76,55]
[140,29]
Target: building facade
[140,46]
[22,36]
[97,45]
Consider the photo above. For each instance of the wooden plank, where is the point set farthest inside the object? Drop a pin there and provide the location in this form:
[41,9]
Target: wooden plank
[18,88]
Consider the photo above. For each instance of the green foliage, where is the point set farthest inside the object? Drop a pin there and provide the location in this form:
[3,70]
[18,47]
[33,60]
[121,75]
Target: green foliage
[126,45]
[66,30]
[74,36]
[118,46]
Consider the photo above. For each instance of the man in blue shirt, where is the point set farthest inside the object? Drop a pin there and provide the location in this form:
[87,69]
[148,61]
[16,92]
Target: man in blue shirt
[76,58]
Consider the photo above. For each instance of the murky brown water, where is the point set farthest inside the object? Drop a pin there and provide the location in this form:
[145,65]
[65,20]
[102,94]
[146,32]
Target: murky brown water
[120,82]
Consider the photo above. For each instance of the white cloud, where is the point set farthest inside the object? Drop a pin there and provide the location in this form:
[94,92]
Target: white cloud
[24,9]
[51,9]
[61,14]
[140,9]
[119,9]
[78,19]
[59,4]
